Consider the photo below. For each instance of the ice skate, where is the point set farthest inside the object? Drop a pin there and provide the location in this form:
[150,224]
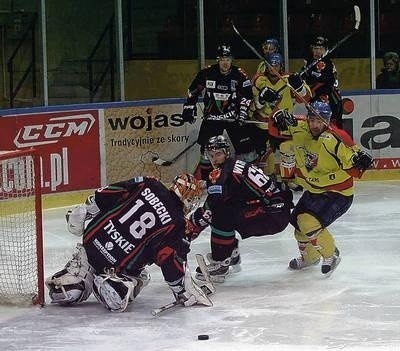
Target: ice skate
[299,263]
[218,270]
[329,264]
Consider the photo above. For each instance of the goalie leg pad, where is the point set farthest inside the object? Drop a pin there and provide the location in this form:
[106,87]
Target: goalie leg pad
[191,293]
[114,292]
[74,283]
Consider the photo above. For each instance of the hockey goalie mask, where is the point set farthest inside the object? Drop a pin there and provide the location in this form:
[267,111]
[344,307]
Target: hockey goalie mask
[188,189]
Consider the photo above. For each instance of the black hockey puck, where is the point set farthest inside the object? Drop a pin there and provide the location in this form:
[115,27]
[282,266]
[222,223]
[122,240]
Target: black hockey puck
[203,337]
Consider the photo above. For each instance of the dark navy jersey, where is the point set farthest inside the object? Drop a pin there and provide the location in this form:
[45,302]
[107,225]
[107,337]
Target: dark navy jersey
[238,182]
[140,222]
[321,78]
[224,93]
[241,197]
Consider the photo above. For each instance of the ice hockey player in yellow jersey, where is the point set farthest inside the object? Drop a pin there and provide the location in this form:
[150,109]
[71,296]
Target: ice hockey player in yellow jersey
[327,160]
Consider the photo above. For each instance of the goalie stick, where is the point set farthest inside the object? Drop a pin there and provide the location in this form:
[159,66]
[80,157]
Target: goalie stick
[208,288]
[161,162]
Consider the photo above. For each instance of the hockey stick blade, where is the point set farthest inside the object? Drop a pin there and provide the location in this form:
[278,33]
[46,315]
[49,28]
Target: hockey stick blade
[155,312]
[160,162]
[357,19]
[357,16]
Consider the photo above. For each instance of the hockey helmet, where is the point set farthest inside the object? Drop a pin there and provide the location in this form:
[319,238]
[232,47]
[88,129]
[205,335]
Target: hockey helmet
[275,59]
[320,108]
[224,50]
[218,142]
[188,189]
[273,43]
[320,41]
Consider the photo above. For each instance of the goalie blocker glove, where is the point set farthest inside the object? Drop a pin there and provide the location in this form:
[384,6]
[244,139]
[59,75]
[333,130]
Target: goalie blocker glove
[189,113]
[362,160]
[283,119]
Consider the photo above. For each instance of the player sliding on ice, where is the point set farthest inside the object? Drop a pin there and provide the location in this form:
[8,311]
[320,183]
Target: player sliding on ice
[133,223]
[326,162]
[240,198]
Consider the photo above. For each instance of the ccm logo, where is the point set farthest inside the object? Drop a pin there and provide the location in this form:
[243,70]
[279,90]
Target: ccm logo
[53,130]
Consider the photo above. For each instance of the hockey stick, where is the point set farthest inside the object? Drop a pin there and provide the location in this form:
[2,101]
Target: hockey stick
[166,307]
[348,141]
[234,120]
[272,68]
[208,288]
[357,17]
[160,162]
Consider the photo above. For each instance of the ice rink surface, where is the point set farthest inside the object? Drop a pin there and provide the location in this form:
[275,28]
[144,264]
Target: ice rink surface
[264,307]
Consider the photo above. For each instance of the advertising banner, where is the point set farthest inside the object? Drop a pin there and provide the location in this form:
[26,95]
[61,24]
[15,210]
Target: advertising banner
[68,144]
[136,136]
[378,131]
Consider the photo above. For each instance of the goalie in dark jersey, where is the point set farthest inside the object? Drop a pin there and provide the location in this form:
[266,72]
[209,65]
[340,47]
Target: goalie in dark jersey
[132,224]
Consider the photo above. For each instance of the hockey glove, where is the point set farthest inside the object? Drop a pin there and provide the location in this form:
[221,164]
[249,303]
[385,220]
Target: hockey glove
[362,160]
[296,82]
[189,113]
[241,117]
[283,119]
[268,95]
[197,222]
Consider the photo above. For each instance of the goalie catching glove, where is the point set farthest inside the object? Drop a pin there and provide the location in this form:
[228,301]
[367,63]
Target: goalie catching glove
[362,160]
[283,119]
[79,214]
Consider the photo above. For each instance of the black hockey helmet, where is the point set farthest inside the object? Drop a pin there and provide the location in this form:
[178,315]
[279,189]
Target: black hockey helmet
[320,41]
[224,50]
[218,142]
